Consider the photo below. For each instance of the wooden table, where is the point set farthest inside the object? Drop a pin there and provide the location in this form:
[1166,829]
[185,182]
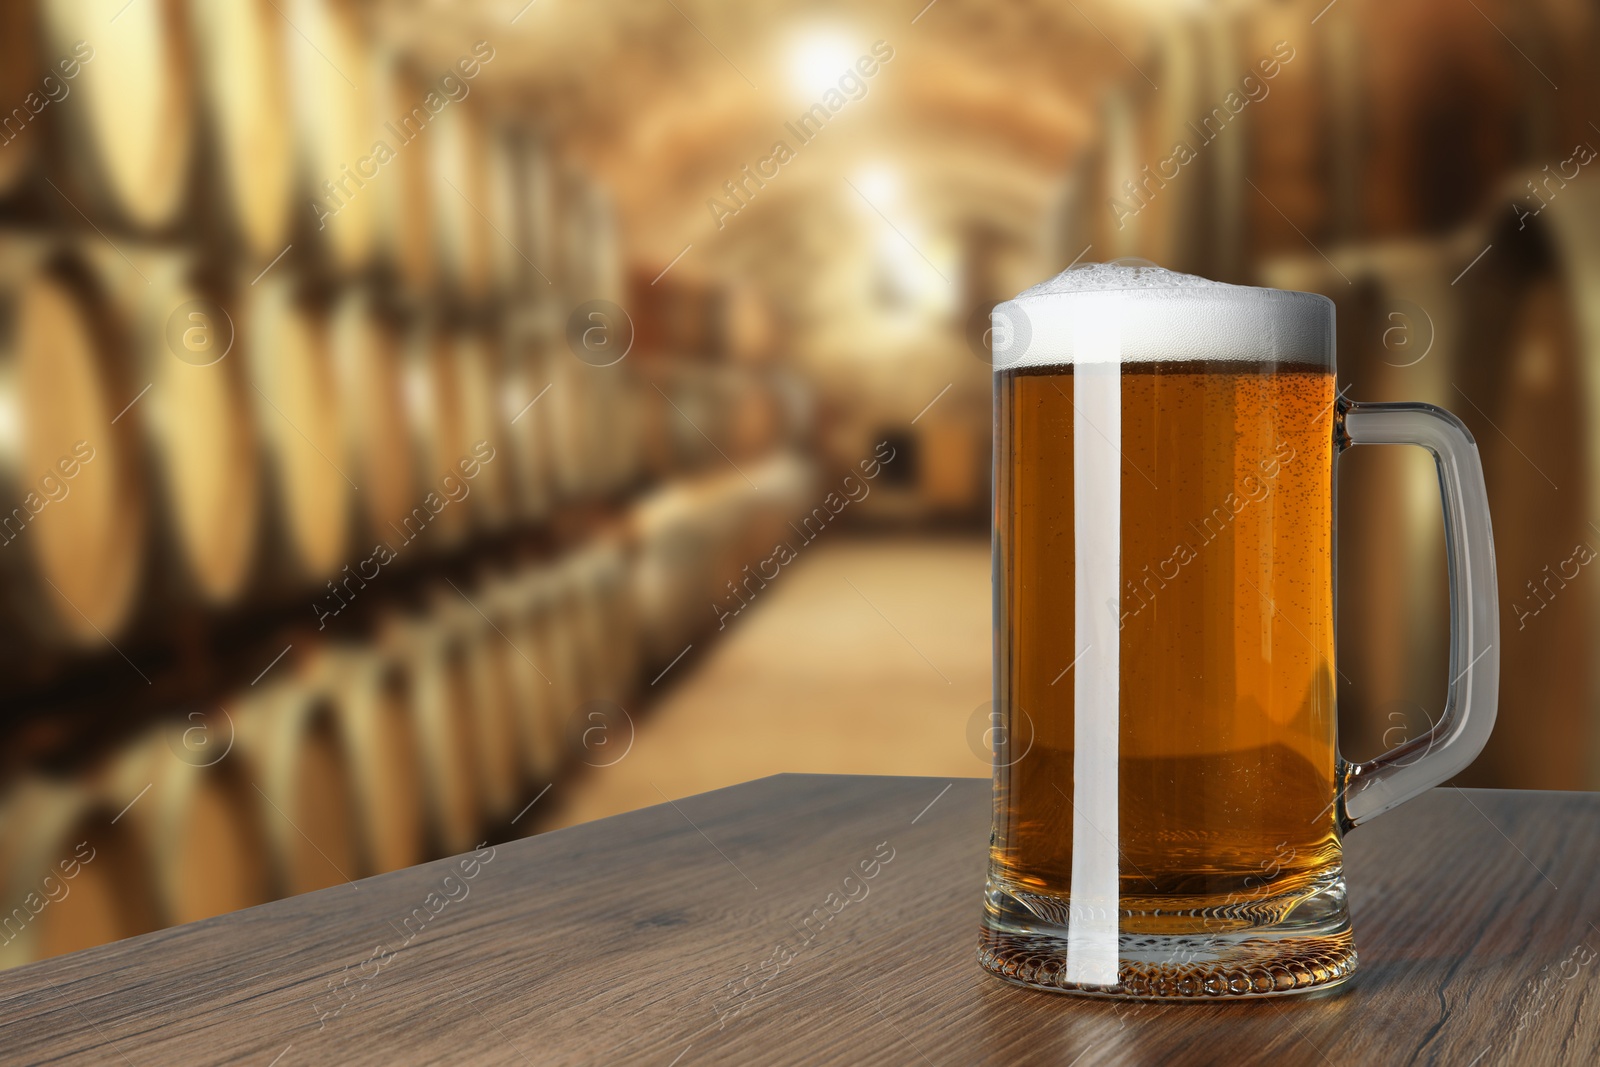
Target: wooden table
[679,935]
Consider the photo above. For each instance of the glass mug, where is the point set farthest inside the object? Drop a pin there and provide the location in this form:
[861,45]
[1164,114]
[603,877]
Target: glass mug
[1169,798]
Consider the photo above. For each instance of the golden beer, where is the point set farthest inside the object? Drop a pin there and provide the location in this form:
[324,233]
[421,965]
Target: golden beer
[1168,790]
[1227,530]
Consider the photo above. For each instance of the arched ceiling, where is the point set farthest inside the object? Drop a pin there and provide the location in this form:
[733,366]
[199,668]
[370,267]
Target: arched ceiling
[976,117]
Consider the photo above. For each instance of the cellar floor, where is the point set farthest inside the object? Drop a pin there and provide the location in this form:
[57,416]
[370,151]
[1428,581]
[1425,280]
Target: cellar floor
[866,656]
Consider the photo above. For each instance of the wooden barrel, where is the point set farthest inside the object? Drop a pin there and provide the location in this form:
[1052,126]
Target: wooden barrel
[1080,220]
[436,420]
[757,418]
[70,474]
[527,421]
[586,253]
[190,801]
[608,640]
[19,76]
[582,236]
[439,668]
[606,272]
[1264,141]
[198,422]
[123,144]
[1539,467]
[329,84]
[557,657]
[578,616]
[532,674]
[573,421]
[620,398]
[1531,375]
[1402,337]
[240,52]
[1156,205]
[71,876]
[577,613]
[1147,187]
[538,180]
[491,696]
[293,379]
[619,624]
[575,427]
[476,361]
[1507,343]
[406,227]
[372,696]
[1563,40]
[728,525]
[1272,164]
[656,426]
[1436,97]
[603,619]
[460,172]
[632,462]
[667,432]
[366,346]
[1382,124]
[303,763]
[787,480]
[672,577]
[510,265]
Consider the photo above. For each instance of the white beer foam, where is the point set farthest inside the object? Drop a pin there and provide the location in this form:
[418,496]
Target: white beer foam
[1157,314]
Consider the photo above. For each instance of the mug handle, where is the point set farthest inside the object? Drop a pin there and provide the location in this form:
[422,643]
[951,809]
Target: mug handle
[1369,789]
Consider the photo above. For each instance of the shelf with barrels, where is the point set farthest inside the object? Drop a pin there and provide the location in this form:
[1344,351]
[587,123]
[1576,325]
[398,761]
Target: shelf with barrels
[428,732]
[165,461]
[264,394]
[1270,135]
[238,354]
[1494,321]
[244,128]
[1417,170]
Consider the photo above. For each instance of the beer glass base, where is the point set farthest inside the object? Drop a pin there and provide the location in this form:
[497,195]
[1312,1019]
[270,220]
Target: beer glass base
[1308,949]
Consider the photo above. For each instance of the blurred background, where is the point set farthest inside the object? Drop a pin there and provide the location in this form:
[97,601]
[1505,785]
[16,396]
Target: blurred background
[426,423]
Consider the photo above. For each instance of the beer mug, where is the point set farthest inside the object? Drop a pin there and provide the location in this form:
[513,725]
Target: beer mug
[1169,799]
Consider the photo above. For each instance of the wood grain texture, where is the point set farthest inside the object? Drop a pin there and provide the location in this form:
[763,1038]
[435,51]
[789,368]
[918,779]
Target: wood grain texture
[625,941]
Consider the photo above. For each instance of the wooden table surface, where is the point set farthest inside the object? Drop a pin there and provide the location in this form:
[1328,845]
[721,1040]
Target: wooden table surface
[677,935]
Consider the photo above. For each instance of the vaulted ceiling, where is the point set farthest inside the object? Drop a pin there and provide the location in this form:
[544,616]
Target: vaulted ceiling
[977,114]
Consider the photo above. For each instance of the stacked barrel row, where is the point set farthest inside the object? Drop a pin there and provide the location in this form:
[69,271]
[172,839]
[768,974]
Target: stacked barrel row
[1494,321]
[424,738]
[700,541]
[1277,128]
[198,438]
[1419,167]
[269,287]
[248,127]
[295,351]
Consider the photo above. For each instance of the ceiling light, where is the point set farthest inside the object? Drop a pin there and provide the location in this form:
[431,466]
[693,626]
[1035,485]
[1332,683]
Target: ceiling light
[817,59]
[880,184]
